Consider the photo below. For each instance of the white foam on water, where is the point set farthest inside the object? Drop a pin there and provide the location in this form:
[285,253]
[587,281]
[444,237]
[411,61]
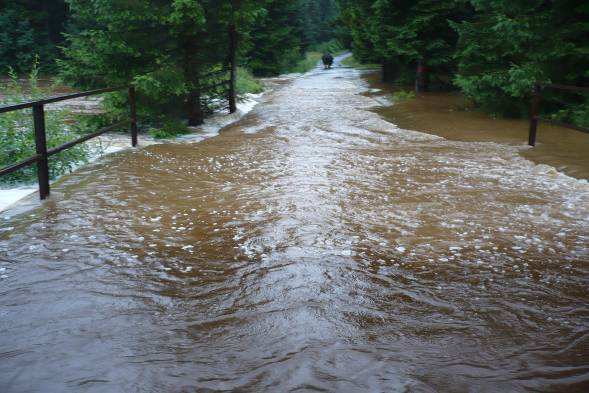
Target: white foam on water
[116,142]
[10,196]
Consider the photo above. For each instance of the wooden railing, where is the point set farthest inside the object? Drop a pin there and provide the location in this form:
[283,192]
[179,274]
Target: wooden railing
[41,158]
[535,110]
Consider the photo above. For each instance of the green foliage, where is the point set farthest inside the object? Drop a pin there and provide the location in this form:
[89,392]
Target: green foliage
[170,129]
[17,141]
[575,114]
[508,46]
[317,20]
[493,50]
[401,33]
[351,61]
[164,48]
[286,31]
[29,28]
[276,44]
[332,46]
[402,95]
[309,63]
[247,83]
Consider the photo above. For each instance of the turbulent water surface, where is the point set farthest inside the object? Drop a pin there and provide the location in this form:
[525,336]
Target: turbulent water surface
[312,246]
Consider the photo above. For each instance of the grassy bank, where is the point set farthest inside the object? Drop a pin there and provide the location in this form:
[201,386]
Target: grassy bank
[171,128]
[353,62]
[308,63]
[314,55]
[247,82]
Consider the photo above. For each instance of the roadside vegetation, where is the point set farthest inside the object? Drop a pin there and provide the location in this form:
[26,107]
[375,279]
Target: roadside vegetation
[247,83]
[165,49]
[355,63]
[315,53]
[171,128]
[492,51]
[403,95]
[17,140]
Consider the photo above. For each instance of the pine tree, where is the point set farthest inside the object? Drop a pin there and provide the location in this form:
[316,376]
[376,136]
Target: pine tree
[510,45]
[276,39]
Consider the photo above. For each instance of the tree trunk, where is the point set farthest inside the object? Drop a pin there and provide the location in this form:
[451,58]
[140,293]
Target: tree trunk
[193,104]
[421,79]
[194,108]
[233,68]
[388,72]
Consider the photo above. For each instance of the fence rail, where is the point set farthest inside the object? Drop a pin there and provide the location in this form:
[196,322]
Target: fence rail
[41,158]
[535,118]
[50,100]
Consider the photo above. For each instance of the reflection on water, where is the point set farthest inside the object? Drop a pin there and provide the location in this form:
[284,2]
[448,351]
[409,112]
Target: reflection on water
[444,114]
[311,246]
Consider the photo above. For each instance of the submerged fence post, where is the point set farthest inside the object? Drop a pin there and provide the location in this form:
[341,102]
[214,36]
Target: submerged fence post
[534,115]
[41,149]
[133,108]
[420,77]
[233,64]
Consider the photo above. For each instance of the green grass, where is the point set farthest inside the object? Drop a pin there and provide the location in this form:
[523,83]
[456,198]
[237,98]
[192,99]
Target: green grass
[17,140]
[308,63]
[170,129]
[247,83]
[354,63]
[333,47]
[402,95]
[314,55]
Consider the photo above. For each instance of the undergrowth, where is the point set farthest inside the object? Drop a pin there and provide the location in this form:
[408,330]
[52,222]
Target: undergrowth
[17,139]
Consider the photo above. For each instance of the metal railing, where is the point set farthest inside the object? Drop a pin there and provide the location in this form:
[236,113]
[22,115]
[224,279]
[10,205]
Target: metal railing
[41,158]
[535,118]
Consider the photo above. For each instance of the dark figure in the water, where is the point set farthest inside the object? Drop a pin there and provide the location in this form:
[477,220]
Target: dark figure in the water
[327,60]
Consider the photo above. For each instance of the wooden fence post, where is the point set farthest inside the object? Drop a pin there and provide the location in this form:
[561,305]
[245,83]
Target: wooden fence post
[133,108]
[389,71]
[233,64]
[41,148]
[421,77]
[534,112]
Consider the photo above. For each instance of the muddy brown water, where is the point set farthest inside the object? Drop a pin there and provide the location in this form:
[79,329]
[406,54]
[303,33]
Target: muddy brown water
[312,246]
[448,115]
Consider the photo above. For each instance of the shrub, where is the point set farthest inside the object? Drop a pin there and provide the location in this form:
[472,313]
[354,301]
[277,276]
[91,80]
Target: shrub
[351,61]
[247,83]
[334,47]
[402,95]
[576,114]
[170,129]
[17,140]
[308,63]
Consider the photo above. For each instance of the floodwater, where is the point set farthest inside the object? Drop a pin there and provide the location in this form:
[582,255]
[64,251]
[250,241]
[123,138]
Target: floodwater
[447,115]
[312,246]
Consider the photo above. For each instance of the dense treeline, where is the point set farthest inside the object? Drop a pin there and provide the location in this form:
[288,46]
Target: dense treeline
[164,47]
[493,50]
[30,28]
[286,30]
[179,54]
[277,36]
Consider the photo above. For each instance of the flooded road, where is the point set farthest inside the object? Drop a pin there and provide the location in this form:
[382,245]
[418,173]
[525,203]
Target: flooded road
[448,115]
[312,246]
